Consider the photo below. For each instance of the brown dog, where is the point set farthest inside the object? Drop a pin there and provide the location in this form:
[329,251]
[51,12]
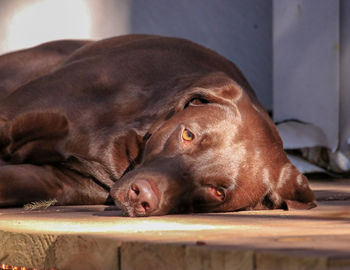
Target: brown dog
[163,125]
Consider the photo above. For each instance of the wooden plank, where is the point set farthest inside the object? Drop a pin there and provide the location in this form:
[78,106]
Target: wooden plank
[289,261]
[89,236]
[64,252]
[148,256]
[339,263]
[212,258]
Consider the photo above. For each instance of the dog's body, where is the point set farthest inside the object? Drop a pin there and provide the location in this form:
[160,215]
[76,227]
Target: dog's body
[167,125]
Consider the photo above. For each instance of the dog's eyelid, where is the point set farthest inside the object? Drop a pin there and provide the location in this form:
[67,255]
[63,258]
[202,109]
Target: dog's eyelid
[147,136]
[170,114]
[196,101]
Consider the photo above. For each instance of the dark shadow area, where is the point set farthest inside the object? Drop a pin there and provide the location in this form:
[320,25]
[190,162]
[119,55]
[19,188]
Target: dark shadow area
[320,217]
[236,216]
[288,252]
[332,195]
[56,210]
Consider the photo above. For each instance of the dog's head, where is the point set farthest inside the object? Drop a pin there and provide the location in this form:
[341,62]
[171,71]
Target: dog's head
[217,150]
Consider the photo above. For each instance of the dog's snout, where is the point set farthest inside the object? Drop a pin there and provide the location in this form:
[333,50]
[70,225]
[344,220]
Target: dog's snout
[142,197]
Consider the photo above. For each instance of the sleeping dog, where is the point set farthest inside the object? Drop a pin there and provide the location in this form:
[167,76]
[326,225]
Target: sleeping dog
[160,125]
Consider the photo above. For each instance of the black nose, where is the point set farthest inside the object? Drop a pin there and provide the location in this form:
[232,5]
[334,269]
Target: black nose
[142,197]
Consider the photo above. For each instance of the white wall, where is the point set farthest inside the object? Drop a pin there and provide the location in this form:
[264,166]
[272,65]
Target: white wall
[25,23]
[311,64]
[306,64]
[239,30]
[345,76]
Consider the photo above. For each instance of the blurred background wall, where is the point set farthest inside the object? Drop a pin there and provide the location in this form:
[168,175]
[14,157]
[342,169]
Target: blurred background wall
[239,30]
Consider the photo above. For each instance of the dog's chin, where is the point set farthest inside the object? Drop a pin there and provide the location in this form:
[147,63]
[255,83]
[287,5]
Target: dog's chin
[120,200]
[123,204]
[127,211]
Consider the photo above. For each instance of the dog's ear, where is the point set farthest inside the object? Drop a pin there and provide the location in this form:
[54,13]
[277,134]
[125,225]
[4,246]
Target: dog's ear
[290,190]
[219,88]
[301,196]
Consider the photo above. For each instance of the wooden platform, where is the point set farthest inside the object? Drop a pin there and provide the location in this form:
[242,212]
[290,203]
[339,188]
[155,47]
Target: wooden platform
[99,237]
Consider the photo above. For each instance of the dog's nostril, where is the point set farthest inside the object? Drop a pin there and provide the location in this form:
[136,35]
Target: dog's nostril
[136,189]
[145,206]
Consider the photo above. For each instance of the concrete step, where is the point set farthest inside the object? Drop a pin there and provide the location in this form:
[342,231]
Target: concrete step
[99,237]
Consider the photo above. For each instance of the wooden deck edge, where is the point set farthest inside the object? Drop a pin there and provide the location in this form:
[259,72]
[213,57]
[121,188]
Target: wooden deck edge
[63,252]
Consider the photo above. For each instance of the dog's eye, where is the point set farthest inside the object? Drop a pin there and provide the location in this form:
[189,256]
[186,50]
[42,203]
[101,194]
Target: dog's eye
[218,192]
[196,101]
[187,135]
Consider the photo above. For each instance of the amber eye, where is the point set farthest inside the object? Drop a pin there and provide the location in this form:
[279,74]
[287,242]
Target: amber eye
[187,135]
[218,192]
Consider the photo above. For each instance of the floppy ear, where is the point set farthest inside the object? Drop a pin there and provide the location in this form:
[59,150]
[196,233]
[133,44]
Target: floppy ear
[218,87]
[290,191]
